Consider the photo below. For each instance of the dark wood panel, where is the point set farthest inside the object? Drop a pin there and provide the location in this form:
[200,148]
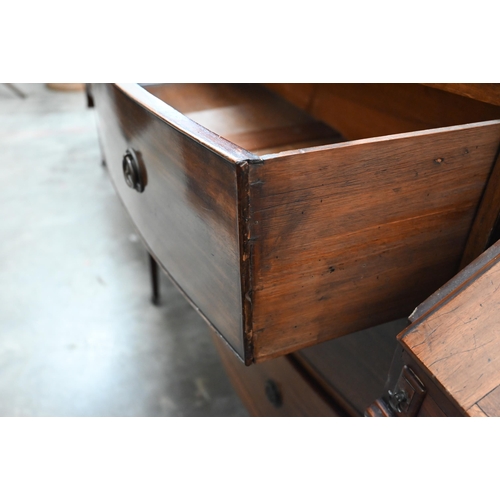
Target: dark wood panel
[486,220]
[276,388]
[485,92]
[475,411]
[357,234]
[457,342]
[355,367]
[300,94]
[367,110]
[308,237]
[430,408]
[455,284]
[188,212]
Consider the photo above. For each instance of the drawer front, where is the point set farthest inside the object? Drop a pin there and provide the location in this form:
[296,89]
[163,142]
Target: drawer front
[277,388]
[188,211]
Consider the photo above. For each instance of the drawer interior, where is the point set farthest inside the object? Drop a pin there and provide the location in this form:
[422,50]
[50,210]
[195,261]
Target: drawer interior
[248,115]
[367,110]
[357,206]
[271,118]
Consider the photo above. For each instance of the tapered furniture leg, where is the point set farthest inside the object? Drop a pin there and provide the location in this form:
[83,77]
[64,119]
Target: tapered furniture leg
[155,286]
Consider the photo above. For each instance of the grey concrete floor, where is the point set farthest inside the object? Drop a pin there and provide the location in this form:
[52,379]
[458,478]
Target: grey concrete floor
[78,334]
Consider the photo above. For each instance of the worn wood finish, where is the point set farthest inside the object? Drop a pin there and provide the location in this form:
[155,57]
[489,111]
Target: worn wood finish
[365,110]
[485,224]
[282,251]
[354,368]
[188,212]
[442,345]
[485,92]
[298,396]
[456,343]
[372,225]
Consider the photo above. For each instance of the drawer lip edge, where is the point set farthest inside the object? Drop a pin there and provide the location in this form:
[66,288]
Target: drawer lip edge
[379,139]
[172,117]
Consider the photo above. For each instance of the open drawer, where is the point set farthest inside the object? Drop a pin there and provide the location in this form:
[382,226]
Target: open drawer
[294,214]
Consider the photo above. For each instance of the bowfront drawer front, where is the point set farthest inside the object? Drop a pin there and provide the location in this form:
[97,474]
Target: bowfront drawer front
[188,211]
[286,232]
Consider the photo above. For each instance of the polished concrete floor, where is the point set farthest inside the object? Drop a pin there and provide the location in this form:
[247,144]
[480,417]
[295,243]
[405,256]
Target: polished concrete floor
[78,334]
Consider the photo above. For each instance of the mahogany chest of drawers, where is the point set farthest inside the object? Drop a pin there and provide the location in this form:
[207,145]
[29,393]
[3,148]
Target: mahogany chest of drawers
[294,214]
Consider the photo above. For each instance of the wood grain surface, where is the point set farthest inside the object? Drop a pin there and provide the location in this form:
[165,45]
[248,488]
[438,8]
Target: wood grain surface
[475,411]
[485,92]
[457,342]
[284,250]
[357,234]
[431,408]
[188,212]
[365,110]
[298,395]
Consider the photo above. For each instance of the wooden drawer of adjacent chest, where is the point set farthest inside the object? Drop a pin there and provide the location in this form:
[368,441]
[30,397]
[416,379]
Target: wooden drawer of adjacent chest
[279,388]
[299,214]
[447,362]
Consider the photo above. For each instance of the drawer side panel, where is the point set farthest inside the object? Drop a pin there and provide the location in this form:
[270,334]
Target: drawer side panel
[188,212]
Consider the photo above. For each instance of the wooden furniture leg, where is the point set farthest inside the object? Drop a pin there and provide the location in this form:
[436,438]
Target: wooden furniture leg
[155,286]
